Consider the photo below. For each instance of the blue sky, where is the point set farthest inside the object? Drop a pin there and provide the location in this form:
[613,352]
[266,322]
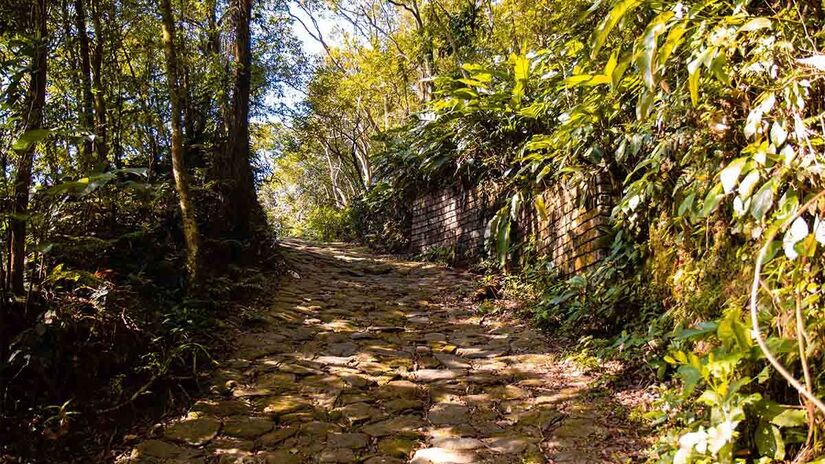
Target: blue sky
[327,26]
[331,32]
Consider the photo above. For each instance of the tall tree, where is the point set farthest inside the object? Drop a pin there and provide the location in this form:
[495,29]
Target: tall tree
[240,201]
[101,129]
[33,117]
[190,225]
[86,111]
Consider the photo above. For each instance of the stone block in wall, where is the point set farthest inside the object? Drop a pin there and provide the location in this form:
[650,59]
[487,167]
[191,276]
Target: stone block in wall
[451,218]
[572,234]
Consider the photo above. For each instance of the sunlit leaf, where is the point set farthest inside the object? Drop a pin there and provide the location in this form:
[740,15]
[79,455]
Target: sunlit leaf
[611,63]
[762,201]
[816,61]
[521,67]
[794,235]
[540,207]
[608,23]
[645,60]
[730,175]
[755,24]
[748,183]
[573,81]
[694,72]
[778,134]
[515,206]
[819,230]
[621,66]
[30,138]
[672,42]
[791,418]
[752,123]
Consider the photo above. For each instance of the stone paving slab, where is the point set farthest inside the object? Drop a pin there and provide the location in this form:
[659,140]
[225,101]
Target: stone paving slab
[368,360]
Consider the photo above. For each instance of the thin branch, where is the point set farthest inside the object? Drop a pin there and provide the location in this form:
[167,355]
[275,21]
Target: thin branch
[754,309]
[317,36]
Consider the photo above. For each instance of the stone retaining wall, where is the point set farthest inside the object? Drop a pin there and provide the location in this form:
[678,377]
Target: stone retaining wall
[571,236]
[451,219]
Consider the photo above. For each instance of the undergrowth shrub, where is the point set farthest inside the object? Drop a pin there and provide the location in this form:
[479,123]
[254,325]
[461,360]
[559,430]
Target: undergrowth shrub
[108,333]
[325,224]
[382,218]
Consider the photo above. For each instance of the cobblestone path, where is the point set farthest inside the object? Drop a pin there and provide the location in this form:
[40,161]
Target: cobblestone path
[366,360]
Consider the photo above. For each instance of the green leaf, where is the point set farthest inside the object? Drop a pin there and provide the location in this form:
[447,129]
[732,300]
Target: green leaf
[608,23]
[472,82]
[769,441]
[686,204]
[29,138]
[644,104]
[499,233]
[732,332]
[755,24]
[701,328]
[718,67]
[791,418]
[690,378]
[694,72]
[762,201]
[712,200]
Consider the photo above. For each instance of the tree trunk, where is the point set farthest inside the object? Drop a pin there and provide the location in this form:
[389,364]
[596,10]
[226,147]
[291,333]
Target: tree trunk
[87,104]
[190,226]
[101,135]
[22,180]
[241,203]
[428,60]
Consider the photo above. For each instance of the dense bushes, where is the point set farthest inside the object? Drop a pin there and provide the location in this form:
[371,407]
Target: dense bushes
[107,332]
[381,219]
